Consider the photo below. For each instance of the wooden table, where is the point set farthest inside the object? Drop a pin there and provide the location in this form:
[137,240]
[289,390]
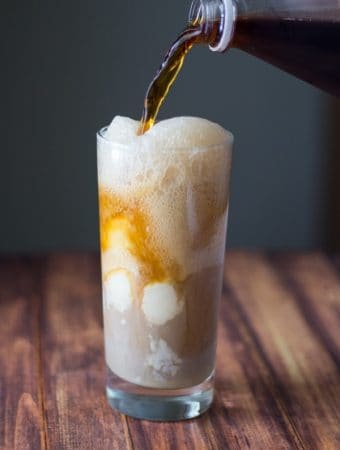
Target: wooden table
[278,383]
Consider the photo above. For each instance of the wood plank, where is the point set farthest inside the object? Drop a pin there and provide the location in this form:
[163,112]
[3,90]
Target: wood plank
[247,412]
[304,376]
[21,413]
[316,285]
[77,414]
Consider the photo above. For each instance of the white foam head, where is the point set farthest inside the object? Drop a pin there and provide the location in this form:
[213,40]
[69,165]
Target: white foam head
[153,152]
[178,132]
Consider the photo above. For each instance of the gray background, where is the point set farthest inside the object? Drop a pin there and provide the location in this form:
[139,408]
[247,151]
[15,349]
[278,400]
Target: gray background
[69,67]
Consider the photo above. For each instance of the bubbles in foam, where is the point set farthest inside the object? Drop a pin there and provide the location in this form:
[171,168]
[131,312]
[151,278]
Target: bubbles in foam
[153,152]
[122,130]
[173,169]
[175,133]
[186,133]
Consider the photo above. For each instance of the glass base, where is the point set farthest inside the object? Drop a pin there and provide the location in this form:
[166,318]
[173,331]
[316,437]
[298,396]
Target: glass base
[159,404]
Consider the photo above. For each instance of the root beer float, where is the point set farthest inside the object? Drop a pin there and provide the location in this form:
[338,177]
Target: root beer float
[163,214]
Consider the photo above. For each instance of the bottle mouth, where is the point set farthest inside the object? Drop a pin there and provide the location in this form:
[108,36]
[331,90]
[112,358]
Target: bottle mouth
[208,13]
[228,27]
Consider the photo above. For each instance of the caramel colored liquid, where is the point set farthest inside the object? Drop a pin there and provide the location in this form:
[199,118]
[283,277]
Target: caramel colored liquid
[125,224]
[169,70]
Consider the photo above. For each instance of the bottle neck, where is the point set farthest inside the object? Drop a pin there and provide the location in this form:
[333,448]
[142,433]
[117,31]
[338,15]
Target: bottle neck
[217,19]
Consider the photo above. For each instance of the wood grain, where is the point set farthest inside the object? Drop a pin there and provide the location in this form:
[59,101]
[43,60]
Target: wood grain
[21,409]
[304,375]
[277,382]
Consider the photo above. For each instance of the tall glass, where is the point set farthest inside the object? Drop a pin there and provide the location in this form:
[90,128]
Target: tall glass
[163,219]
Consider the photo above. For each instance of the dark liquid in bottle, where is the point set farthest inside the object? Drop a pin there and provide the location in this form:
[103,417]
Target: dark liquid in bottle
[170,68]
[308,48]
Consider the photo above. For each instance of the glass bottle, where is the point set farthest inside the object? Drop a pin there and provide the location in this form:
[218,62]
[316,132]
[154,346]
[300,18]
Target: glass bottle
[301,37]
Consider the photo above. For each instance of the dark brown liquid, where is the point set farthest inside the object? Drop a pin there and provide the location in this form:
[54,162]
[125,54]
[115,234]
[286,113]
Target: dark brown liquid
[307,48]
[167,73]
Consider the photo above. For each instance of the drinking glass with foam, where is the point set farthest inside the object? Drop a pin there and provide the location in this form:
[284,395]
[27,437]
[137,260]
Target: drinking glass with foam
[163,200]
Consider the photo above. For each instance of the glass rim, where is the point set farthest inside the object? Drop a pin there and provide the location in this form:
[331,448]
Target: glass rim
[229,140]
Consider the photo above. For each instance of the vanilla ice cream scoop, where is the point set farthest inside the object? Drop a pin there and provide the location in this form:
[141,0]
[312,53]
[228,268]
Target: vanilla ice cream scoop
[160,303]
[117,291]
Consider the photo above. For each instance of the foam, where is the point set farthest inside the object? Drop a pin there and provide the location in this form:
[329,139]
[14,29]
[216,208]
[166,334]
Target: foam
[155,151]
[178,132]
[179,172]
